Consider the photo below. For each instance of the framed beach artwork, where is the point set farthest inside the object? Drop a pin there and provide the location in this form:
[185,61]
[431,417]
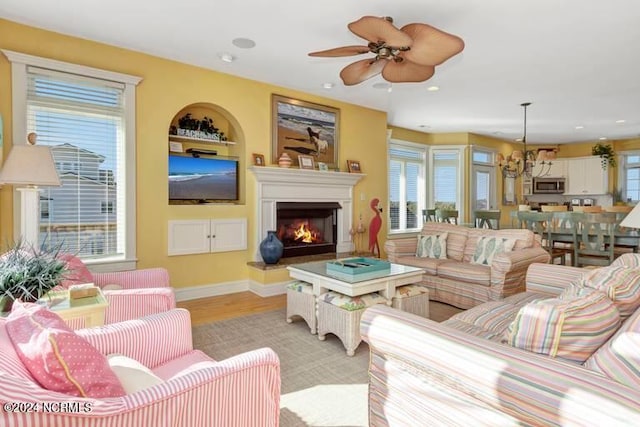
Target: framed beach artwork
[304,128]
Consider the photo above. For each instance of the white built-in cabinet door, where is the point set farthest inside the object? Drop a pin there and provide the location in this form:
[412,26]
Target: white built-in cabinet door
[585,176]
[198,236]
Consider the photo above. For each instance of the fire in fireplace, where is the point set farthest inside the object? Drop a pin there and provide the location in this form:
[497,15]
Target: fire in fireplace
[307,228]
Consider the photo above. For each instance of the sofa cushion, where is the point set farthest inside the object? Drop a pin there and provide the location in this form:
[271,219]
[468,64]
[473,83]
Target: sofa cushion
[58,359]
[432,246]
[429,265]
[465,272]
[488,247]
[619,358]
[133,375]
[492,315]
[456,237]
[348,303]
[569,328]
[524,239]
[620,283]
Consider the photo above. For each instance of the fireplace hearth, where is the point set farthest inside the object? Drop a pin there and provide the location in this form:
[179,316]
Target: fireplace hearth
[307,228]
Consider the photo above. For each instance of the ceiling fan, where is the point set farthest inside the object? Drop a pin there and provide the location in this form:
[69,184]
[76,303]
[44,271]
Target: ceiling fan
[408,54]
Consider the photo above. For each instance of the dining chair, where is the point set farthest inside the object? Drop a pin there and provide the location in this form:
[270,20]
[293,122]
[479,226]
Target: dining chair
[428,215]
[553,208]
[564,224]
[588,209]
[447,215]
[594,238]
[541,223]
[618,209]
[487,219]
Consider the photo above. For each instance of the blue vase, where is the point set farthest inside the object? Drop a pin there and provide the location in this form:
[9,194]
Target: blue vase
[271,248]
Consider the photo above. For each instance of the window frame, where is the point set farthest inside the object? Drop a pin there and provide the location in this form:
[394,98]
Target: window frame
[19,64]
[422,196]
[461,175]
[488,166]
[624,166]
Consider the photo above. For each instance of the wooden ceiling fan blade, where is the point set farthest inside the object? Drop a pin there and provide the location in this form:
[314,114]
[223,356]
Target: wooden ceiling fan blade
[361,70]
[431,46]
[342,51]
[406,71]
[376,29]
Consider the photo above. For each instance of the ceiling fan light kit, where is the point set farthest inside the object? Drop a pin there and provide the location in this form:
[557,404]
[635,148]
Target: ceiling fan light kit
[408,54]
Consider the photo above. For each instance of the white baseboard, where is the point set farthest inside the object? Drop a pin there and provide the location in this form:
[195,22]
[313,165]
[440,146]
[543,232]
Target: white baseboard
[212,290]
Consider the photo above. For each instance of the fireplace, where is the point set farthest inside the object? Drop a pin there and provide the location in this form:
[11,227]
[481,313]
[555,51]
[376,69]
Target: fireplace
[307,228]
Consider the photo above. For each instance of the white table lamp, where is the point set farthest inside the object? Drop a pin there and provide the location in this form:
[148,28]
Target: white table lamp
[30,166]
[632,220]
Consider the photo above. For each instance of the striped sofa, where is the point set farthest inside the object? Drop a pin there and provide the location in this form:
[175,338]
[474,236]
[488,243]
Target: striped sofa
[460,372]
[457,281]
[197,391]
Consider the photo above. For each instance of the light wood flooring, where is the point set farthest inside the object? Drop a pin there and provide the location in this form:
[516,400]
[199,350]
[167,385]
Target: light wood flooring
[207,310]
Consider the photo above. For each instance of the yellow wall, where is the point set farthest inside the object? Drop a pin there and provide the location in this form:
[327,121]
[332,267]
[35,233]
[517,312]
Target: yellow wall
[166,88]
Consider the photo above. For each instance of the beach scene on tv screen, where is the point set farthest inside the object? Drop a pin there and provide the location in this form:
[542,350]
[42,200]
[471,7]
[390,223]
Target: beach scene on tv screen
[199,178]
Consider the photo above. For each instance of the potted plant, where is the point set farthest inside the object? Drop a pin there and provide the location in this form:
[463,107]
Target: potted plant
[28,273]
[606,153]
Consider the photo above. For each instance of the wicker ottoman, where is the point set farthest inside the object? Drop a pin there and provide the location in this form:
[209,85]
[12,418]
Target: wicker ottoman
[340,315]
[413,299]
[301,302]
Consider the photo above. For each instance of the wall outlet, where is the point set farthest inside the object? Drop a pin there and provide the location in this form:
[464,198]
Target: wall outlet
[363,197]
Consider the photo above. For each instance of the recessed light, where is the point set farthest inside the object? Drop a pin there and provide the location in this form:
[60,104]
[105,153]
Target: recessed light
[433,88]
[327,85]
[579,127]
[620,121]
[382,85]
[518,139]
[602,138]
[226,57]
[424,126]
[243,43]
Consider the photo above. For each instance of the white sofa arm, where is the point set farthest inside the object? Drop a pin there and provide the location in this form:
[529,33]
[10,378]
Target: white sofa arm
[483,382]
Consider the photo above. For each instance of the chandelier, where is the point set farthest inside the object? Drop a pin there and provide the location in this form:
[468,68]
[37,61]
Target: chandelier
[521,162]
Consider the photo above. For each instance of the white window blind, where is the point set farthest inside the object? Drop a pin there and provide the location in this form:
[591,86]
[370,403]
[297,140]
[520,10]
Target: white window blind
[407,165]
[83,121]
[445,177]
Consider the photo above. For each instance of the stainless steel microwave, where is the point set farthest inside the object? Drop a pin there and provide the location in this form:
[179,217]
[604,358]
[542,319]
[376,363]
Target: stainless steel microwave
[548,185]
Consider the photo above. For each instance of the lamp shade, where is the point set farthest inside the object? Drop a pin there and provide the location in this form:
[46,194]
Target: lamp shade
[542,156]
[632,220]
[30,165]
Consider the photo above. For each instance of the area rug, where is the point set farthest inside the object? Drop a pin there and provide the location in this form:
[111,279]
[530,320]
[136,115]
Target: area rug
[321,385]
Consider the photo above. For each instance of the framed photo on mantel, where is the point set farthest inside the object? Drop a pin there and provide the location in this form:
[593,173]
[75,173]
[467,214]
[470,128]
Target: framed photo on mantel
[304,128]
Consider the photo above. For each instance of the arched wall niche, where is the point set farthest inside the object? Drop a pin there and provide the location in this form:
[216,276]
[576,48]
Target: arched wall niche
[233,147]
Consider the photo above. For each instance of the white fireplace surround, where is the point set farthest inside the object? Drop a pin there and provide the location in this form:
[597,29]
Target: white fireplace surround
[276,184]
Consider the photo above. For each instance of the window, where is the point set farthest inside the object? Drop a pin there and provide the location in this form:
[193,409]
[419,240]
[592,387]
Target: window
[446,179]
[631,177]
[106,207]
[87,117]
[483,180]
[407,166]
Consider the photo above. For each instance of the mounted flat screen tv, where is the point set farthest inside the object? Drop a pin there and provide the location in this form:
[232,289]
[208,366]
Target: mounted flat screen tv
[202,179]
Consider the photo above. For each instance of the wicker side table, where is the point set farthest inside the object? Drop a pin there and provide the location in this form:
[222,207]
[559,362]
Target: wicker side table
[302,302]
[413,299]
[340,315]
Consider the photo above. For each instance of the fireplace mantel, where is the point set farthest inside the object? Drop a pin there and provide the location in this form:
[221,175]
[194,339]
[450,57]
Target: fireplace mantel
[275,184]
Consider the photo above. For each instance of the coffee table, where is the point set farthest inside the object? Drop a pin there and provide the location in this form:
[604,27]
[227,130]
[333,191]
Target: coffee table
[385,282]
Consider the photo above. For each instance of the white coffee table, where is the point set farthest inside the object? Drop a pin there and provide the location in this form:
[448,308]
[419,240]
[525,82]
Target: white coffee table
[385,282]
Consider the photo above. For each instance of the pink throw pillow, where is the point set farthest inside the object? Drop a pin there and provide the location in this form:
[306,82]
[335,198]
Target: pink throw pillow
[57,358]
[77,271]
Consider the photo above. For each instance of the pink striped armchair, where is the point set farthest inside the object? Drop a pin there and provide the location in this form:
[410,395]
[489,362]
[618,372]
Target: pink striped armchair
[140,292]
[197,391]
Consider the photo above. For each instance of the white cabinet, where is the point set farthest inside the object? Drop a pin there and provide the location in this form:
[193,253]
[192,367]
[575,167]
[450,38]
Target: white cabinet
[557,169]
[585,176]
[199,236]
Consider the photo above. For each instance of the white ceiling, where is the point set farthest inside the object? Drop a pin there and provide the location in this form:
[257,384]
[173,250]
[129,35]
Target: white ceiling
[576,61]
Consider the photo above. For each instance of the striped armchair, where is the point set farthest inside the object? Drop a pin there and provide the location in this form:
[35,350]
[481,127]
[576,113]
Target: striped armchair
[197,391]
[131,294]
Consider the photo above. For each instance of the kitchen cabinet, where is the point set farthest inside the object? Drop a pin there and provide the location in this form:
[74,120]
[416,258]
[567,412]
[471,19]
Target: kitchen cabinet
[585,176]
[199,236]
[557,169]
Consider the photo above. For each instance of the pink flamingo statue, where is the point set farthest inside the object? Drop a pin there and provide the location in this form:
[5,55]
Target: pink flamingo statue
[374,227]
